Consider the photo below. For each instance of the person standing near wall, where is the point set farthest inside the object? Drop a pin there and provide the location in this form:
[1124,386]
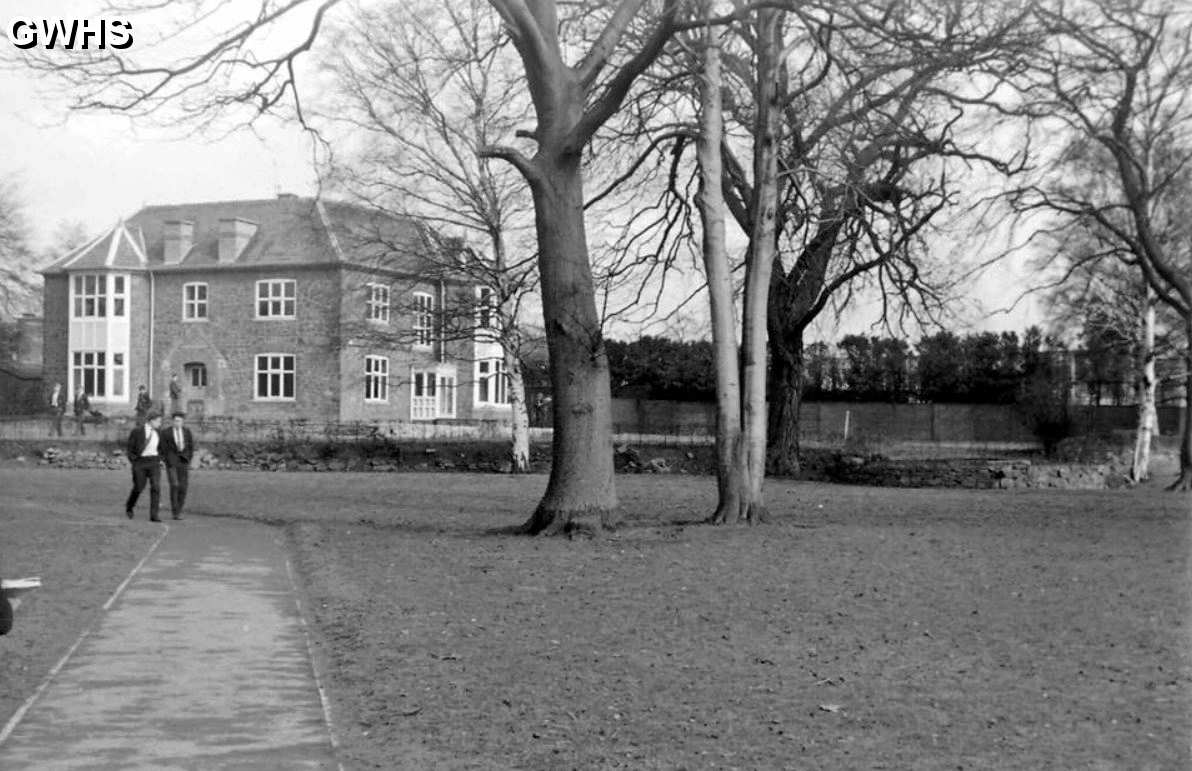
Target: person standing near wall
[175,394]
[82,405]
[57,409]
[144,403]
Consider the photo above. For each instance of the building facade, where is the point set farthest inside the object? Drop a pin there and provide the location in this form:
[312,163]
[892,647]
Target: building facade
[273,309]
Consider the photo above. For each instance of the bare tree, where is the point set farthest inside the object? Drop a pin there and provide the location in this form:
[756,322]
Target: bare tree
[730,468]
[1115,80]
[420,89]
[875,103]
[571,101]
[1095,288]
[18,279]
[244,74]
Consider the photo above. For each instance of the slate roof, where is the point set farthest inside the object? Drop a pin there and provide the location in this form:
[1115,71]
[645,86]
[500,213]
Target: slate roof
[121,247]
[291,230]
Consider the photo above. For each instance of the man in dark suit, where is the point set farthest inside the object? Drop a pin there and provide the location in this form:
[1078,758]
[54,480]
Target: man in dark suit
[178,447]
[144,450]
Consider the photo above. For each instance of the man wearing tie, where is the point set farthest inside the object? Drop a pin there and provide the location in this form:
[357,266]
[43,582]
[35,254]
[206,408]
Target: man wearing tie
[178,447]
[57,409]
[144,452]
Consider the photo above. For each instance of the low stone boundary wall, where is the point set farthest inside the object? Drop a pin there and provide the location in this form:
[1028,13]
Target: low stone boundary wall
[819,465]
[974,474]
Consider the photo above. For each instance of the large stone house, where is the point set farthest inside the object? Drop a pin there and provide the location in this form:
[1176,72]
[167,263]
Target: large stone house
[281,308]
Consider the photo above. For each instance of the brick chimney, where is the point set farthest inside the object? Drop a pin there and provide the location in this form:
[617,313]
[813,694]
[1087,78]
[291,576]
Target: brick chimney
[234,235]
[179,238]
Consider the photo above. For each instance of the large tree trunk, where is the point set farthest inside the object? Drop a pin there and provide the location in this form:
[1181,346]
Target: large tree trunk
[762,252]
[1184,483]
[786,398]
[1147,419]
[730,469]
[580,493]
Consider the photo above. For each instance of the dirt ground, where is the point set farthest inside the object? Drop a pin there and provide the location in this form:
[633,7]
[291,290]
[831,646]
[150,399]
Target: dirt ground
[864,628]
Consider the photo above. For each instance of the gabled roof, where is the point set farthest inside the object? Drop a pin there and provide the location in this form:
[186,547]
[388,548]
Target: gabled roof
[290,230]
[121,247]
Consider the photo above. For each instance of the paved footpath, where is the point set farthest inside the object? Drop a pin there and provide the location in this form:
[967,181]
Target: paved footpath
[200,663]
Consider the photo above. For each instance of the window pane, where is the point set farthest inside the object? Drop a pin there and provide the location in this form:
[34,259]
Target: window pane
[118,284]
[118,306]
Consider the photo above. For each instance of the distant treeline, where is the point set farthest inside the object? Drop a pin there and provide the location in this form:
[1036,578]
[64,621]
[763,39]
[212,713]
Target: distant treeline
[976,368]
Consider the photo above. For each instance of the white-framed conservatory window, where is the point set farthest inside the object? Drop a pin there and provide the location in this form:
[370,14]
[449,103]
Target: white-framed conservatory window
[378,303]
[102,374]
[91,293]
[376,379]
[492,384]
[424,318]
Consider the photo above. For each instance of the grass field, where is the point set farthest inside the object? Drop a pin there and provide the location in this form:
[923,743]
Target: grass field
[863,629]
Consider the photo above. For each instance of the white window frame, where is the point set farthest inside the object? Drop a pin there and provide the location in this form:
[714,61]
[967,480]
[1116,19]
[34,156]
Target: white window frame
[276,299]
[194,307]
[189,371]
[272,370]
[424,319]
[432,394]
[486,309]
[119,295]
[377,309]
[89,288]
[492,383]
[376,379]
[117,374]
[94,363]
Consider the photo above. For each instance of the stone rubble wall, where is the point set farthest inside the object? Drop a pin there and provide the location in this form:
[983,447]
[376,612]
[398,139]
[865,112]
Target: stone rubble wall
[831,466]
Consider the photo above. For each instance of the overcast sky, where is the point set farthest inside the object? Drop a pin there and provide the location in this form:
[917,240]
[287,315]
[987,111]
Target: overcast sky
[96,169]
